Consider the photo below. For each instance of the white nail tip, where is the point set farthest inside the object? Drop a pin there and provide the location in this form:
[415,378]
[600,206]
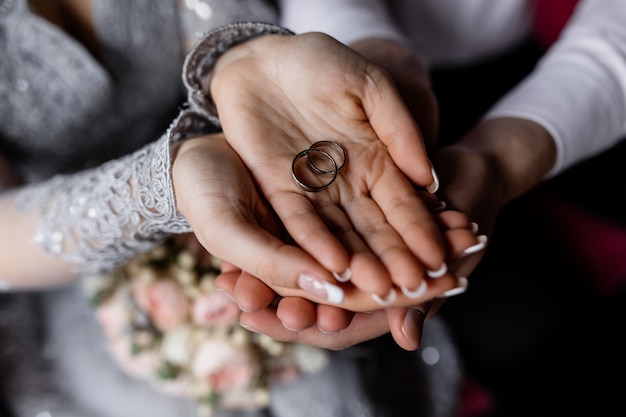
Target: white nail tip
[462,284]
[389,298]
[334,294]
[482,243]
[439,272]
[434,186]
[421,290]
[344,276]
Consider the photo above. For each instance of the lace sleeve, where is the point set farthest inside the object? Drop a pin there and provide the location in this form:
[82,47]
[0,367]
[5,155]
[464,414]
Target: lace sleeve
[100,218]
[201,60]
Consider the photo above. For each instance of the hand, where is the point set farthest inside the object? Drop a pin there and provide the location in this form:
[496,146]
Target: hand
[216,193]
[411,78]
[297,319]
[276,95]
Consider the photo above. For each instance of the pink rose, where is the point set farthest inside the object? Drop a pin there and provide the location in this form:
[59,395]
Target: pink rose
[283,369]
[224,366]
[164,301]
[215,309]
[141,365]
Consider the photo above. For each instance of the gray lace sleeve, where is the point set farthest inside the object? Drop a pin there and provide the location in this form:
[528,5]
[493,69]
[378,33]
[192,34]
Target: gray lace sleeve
[100,218]
[201,60]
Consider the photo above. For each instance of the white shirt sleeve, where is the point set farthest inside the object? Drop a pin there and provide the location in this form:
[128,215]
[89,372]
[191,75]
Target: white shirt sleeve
[578,89]
[346,20]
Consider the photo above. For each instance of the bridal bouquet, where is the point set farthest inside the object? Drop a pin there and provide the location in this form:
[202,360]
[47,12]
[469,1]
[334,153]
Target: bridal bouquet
[166,324]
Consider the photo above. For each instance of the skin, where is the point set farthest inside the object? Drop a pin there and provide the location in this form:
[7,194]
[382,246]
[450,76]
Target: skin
[371,220]
[213,185]
[490,166]
[386,238]
[498,161]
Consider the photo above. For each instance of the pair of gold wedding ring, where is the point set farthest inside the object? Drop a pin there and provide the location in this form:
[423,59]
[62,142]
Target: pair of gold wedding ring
[316,168]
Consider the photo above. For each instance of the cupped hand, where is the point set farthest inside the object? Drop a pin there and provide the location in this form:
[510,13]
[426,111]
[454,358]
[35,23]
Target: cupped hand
[293,318]
[276,96]
[217,195]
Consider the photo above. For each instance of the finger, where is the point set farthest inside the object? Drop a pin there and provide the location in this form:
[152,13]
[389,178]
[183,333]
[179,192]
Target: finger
[364,326]
[406,325]
[227,280]
[396,128]
[251,293]
[411,217]
[228,267]
[462,242]
[315,235]
[331,319]
[296,314]
[453,219]
[382,241]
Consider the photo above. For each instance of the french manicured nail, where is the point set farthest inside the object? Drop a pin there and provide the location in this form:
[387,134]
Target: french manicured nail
[474,227]
[439,272]
[418,292]
[388,299]
[327,291]
[412,326]
[482,243]
[344,276]
[434,186]
[460,288]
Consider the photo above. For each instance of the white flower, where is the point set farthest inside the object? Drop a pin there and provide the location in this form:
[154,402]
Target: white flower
[175,347]
[166,324]
[310,358]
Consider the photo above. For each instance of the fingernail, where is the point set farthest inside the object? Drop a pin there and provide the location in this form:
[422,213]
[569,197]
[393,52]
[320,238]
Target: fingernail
[226,294]
[327,291]
[474,227]
[344,276]
[461,287]
[434,186]
[439,272]
[482,243]
[441,206]
[412,326]
[389,298]
[248,327]
[421,290]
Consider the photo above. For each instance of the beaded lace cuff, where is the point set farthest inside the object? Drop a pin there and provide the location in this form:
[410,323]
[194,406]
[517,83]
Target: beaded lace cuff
[101,218]
[202,58]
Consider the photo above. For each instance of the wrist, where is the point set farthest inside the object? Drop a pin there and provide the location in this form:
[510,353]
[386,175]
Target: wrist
[522,152]
[200,62]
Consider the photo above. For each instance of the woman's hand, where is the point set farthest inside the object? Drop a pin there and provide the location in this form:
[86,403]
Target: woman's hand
[298,319]
[276,96]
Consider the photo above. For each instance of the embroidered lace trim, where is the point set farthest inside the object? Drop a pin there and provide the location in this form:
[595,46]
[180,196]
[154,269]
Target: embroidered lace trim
[100,218]
[201,59]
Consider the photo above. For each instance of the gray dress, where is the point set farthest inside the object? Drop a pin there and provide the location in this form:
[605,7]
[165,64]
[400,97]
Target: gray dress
[75,127]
